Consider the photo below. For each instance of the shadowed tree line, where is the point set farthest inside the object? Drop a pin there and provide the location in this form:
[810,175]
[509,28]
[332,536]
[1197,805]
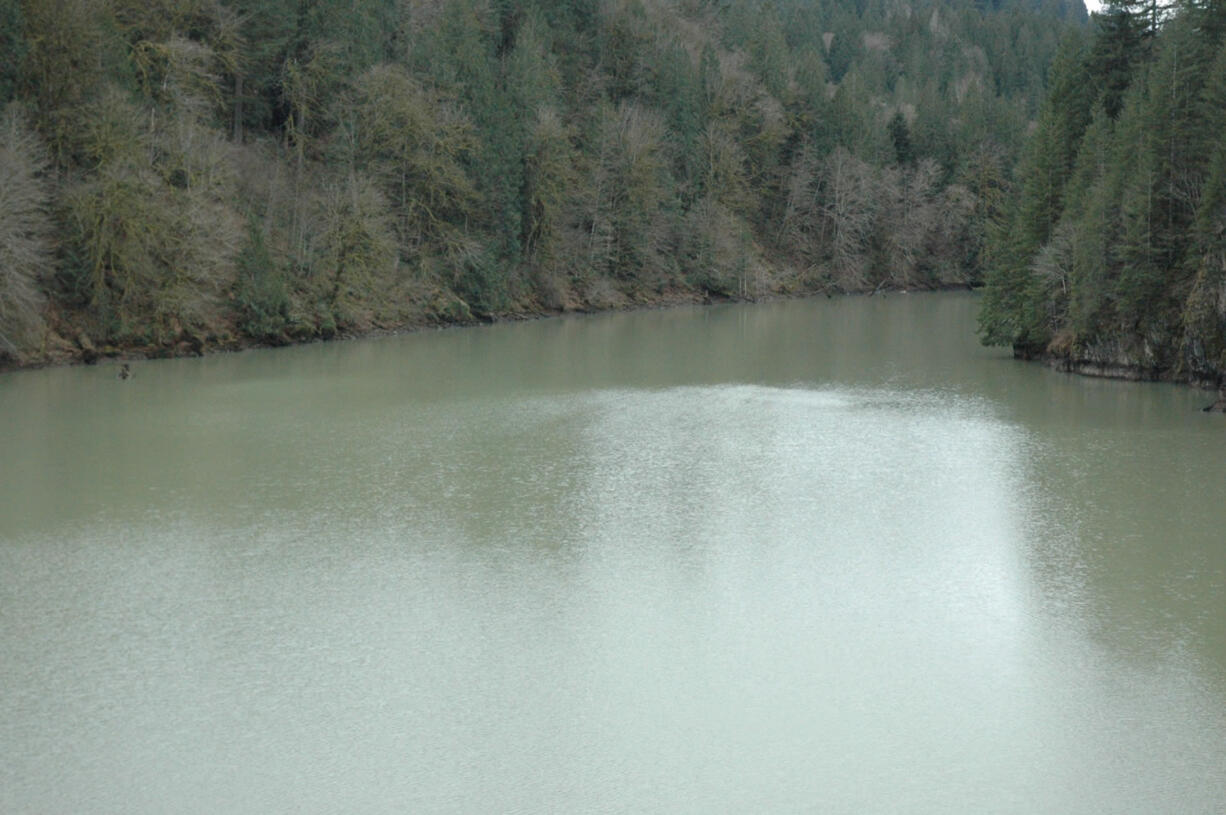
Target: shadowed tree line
[177,174]
[1112,255]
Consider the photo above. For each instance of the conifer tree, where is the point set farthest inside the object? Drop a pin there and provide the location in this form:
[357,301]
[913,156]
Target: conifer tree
[12,47]
[1013,310]
[900,135]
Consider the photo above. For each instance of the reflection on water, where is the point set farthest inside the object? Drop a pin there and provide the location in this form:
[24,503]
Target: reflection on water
[803,557]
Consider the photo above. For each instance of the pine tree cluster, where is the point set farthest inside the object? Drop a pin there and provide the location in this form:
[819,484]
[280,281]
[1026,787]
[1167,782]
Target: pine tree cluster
[1112,254]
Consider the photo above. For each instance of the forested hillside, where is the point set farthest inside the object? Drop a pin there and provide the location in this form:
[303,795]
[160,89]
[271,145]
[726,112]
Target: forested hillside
[183,174]
[1113,257]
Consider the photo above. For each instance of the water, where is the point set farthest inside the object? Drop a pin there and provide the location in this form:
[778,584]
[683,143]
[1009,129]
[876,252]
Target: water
[813,556]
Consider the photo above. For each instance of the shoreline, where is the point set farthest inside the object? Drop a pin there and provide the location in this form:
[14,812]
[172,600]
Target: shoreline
[86,354]
[1125,372]
[83,351]
[73,354]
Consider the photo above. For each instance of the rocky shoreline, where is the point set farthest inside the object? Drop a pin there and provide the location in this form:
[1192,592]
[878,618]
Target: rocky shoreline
[1125,368]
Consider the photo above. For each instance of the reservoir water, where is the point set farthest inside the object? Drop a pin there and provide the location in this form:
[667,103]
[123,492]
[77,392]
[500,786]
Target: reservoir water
[820,556]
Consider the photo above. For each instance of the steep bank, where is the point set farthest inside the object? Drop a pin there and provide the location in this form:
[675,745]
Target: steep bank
[1107,365]
[1111,260]
[1114,362]
[218,173]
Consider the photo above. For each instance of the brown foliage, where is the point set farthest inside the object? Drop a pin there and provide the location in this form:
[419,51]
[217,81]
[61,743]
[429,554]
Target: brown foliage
[25,232]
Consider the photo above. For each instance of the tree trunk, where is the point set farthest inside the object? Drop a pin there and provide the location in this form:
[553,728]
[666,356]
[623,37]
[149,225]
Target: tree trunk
[238,109]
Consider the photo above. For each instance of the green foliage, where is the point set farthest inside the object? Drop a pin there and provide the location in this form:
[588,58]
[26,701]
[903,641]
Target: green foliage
[549,179]
[1127,251]
[261,291]
[677,89]
[12,47]
[394,158]
[900,135]
[479,281]
[1014,310]
[716,251]
[415,143]
[74,51]
[1117,49]
[354,254]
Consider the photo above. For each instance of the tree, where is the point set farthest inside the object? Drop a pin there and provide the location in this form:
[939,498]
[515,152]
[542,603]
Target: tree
[262,296]
[12,47]
[1203,346]
[25,232]
[354,253]
[908,210]
[1014,309]
[630,187]
[75,51]
[549,179]
[984,175]
[848,209]
[241,166]
[1114,54]
[900,135]
[414,142]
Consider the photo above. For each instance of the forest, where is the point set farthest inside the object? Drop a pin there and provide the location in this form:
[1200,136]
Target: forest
[184,175]
[1111,258]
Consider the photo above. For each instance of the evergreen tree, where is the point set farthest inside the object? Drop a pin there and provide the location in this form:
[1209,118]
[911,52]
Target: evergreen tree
[1014,311]
[900,135]
[12,47]
[1114,54]
[1127,262]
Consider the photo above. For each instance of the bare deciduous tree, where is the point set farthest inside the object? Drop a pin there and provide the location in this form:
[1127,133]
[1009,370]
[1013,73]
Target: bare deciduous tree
[25,232]
[909,215]
[627,191]
[848,210]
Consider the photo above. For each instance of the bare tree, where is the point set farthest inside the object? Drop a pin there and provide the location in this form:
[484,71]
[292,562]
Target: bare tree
[25,232]
[910,215]
[800,228]
[626,192]
[848,209]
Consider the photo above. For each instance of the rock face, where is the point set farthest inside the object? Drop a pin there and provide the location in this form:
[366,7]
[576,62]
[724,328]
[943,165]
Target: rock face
[1140,360]
[1108,361]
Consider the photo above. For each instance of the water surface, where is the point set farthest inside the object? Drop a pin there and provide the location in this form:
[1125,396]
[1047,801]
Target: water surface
[811,556]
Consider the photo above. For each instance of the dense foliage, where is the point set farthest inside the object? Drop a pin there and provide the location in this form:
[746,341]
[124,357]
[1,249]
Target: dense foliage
[1113,257]
[180,173]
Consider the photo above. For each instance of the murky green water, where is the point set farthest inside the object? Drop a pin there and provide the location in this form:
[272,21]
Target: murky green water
[818,556]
